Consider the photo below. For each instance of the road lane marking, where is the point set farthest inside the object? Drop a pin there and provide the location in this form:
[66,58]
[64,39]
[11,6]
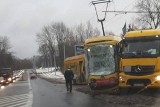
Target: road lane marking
[17,100]
[11,98]
[30,101]
[18,105]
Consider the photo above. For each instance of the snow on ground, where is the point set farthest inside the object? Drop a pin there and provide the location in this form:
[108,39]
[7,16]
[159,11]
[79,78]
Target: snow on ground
[50,73]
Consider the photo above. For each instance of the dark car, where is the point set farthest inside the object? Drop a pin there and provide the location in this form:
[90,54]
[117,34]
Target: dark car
[7,75]
[33,76]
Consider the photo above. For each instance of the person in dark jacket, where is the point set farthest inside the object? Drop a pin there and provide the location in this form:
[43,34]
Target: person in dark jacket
[69,77]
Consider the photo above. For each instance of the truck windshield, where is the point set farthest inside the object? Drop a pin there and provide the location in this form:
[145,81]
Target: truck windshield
[141,48]
[101,59]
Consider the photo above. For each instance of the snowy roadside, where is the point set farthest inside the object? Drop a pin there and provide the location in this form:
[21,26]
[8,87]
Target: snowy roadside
[50,74]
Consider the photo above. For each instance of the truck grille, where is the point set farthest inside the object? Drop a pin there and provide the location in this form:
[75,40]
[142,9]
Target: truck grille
[141,70]
[138,81]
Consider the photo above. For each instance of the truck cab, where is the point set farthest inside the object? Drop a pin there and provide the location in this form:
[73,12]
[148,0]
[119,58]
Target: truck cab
[140,59]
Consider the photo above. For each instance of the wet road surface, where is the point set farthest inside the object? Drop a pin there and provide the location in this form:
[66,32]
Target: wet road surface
[17,94]
[47,94]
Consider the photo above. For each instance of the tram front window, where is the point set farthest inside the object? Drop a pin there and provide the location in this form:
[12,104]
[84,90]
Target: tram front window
[101,59]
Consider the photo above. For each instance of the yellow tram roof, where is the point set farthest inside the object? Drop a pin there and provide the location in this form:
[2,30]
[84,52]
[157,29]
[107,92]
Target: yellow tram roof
[142,33]
[75,57]
[102,39]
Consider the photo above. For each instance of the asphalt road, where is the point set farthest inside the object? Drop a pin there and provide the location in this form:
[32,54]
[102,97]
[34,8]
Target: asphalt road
[41,93]
[47,94]
[17,94]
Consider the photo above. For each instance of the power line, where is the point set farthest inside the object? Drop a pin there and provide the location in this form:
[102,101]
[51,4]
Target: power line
[125,12]
[100,1]
[113,18]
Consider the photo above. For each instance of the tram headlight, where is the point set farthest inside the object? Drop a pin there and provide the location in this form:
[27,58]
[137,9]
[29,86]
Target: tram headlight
[121,78]
[157,78]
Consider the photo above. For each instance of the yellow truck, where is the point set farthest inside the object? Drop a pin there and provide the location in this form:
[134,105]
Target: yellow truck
[140,59]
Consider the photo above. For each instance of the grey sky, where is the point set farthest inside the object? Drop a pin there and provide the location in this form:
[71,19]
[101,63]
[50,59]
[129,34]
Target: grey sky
[20,20]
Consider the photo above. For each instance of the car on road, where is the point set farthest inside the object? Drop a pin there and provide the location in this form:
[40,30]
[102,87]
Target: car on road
[33,76]
[7,75]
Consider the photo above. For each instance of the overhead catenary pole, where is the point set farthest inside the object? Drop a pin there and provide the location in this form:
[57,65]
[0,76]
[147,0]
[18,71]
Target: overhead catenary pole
[103,19]
[102,26]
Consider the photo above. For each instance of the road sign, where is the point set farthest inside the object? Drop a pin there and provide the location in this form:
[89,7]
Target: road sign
[79,49]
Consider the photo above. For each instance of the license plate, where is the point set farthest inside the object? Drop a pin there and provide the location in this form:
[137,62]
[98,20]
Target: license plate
[139,85]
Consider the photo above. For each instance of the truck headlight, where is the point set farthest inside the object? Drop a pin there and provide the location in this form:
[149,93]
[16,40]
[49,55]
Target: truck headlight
[157,78]
[9,79]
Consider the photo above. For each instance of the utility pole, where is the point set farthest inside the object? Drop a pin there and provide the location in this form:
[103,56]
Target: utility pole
[64,47]
[103,19]
[55,62]
[34,63]
[50,60]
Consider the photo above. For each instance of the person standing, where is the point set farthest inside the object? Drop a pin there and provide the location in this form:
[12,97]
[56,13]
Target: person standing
[68,78]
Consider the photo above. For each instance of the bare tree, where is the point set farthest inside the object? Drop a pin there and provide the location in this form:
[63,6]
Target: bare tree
[4,44]
[89,30]
[109,33]
[43,50]
[80,32]
[151,17]
[46,41]
[65,40]
[58,37]
[96,32]
[59,30]
[5,55]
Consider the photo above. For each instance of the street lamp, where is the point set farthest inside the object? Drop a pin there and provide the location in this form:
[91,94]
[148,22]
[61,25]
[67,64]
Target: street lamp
[64,49]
